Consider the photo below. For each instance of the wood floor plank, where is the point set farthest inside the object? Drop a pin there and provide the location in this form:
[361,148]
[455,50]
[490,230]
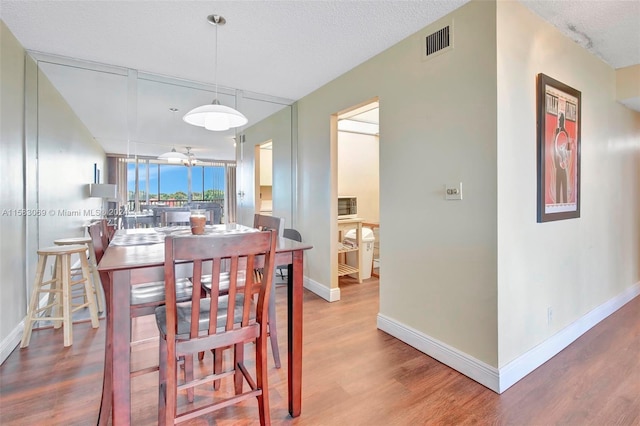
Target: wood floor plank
[353,374]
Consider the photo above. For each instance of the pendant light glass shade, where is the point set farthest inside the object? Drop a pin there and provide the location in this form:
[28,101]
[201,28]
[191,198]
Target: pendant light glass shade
[215,117]
[173,156]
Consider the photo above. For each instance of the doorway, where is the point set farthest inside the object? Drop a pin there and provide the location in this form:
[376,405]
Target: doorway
[357,175]
[264,178]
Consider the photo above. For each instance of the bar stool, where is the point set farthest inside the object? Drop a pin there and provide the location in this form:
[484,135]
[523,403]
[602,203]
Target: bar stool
[93,265]
[59,290]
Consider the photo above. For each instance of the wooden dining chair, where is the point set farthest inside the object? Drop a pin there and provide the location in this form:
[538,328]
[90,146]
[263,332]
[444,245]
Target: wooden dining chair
[264,223]
[217,322]
[108,231]
[171,218]
[98,239]
[145,297]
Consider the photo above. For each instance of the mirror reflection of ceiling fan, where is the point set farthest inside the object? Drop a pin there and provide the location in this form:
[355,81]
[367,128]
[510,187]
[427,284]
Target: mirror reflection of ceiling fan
[191,159]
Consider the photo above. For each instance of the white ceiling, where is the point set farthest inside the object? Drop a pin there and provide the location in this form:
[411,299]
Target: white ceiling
[284,49]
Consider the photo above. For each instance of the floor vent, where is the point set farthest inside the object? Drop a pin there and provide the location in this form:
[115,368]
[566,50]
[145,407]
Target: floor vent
[438,42]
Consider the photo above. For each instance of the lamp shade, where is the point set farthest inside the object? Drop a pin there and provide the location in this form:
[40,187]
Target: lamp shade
[215,117]
[173,156]
[102,190]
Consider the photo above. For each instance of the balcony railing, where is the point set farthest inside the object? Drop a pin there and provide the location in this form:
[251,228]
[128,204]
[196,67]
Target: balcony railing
[170,203]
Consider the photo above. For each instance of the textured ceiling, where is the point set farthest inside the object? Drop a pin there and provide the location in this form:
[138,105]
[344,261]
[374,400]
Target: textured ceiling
[280,48]
[285,49]
[609,29]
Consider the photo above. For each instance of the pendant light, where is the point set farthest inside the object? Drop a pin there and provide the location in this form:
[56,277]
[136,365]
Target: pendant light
[173,156]
[215,116]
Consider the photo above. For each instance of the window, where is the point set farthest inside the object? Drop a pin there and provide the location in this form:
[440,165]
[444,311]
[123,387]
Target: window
[214,183]
[168,184]
[173,184]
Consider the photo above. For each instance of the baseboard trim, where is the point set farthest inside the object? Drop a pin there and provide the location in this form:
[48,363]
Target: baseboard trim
[10,342]
[501,379]
[469,366]
[532,359]
[328,294]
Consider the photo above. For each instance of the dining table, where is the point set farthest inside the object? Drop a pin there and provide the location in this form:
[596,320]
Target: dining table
[137,256]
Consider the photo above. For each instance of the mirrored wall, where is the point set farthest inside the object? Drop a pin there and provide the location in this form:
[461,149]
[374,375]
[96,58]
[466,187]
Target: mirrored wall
[137,116]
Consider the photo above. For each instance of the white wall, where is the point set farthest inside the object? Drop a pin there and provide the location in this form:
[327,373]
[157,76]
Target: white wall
[437,125]
[628,84]
[358,172]
[57,154]
[13,299]
[276,128]
[474,278]
[576,265]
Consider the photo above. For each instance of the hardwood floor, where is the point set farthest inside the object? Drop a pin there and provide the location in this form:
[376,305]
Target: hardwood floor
[353,374]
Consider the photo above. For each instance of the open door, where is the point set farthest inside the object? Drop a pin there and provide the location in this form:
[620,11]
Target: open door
[264,178]
[357,177]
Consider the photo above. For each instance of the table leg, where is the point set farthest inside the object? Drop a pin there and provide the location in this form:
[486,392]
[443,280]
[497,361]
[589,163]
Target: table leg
[294,302]
[107,379]
[116,387]
[121,347]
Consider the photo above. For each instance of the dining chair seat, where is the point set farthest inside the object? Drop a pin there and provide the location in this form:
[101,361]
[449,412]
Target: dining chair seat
[184,316]
[154,292]
[224,281]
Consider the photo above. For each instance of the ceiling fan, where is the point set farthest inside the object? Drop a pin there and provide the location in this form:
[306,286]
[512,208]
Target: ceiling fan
[191,159]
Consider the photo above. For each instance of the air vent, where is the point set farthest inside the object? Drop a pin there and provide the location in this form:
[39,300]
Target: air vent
[438,42]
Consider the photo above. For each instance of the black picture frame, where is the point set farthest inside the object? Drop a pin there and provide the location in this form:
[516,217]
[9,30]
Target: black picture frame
[96,173]
[559,120]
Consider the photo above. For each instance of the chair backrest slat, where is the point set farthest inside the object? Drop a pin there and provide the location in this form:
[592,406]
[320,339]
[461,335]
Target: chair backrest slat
[231,293]
[214,292]
[195,300]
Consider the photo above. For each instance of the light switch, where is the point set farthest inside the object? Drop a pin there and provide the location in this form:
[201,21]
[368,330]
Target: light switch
[453,191]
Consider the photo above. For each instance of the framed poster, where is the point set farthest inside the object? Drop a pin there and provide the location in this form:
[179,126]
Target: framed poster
[558,117]
[96,173]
